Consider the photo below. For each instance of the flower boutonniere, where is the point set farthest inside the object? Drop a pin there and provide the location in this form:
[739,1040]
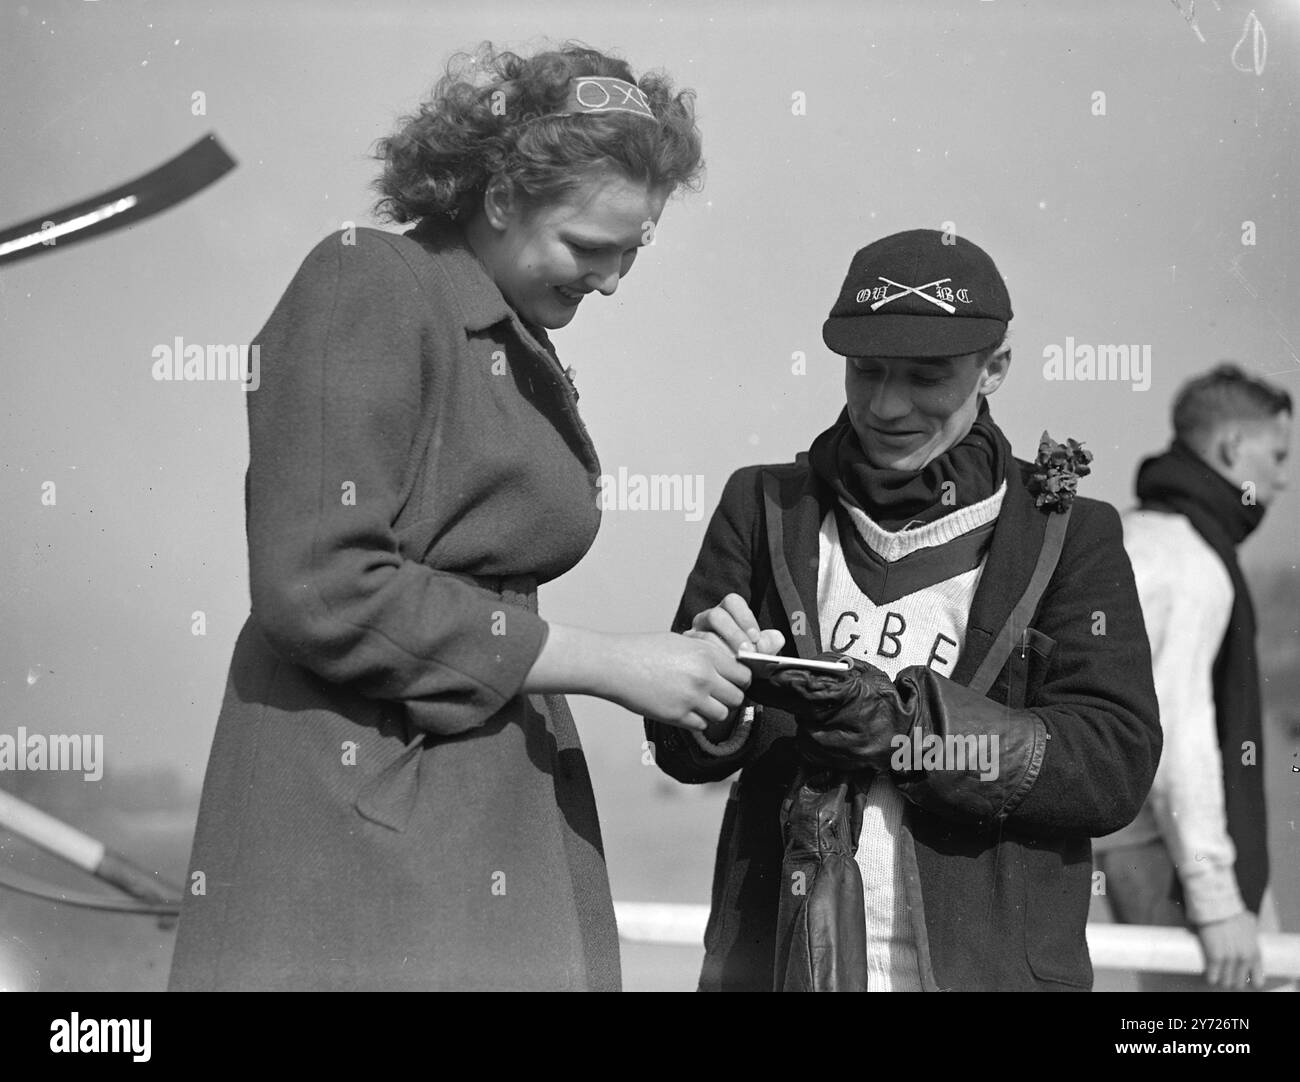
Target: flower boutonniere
[1059,466]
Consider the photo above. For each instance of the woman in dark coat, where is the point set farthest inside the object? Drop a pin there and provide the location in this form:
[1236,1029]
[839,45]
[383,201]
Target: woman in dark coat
[396,796]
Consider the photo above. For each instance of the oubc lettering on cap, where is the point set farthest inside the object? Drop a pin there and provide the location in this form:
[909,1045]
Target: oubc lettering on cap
[921,293]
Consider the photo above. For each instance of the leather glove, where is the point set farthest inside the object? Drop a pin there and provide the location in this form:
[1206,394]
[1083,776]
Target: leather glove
[846,722]
[851,723]
[821,917]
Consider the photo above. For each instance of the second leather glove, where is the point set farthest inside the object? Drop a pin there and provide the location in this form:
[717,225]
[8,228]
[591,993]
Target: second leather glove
[845,722]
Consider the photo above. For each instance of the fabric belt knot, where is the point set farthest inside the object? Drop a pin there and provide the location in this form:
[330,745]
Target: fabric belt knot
[390,796]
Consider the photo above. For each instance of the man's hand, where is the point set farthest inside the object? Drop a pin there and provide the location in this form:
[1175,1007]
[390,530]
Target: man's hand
[845,721]
[731,624]
[1231,950]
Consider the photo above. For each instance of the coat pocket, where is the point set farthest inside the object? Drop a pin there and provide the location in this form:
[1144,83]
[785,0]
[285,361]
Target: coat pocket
[1058,887]
[1027,667]
[388,796]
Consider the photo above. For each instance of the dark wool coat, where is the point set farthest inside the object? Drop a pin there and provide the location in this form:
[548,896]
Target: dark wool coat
[383,808]
[995,907]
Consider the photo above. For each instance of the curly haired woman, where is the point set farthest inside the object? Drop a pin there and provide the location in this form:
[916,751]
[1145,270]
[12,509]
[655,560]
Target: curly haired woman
[396,797]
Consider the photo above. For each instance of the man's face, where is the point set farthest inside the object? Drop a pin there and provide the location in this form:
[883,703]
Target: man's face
[909,410]
[1262,448]
[546,259]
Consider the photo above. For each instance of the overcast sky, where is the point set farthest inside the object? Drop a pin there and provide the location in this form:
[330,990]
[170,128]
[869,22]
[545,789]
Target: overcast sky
[1107,155]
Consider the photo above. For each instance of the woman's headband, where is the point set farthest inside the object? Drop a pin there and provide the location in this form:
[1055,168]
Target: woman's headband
[604,94]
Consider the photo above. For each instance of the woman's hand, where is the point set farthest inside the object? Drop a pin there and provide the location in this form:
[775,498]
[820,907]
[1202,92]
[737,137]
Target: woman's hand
[684,680]
[681,680]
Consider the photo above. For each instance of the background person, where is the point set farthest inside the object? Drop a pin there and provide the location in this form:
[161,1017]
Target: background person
[1196,855]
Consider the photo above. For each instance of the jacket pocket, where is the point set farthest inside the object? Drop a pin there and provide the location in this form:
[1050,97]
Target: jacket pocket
[1027,667]
[1058,884]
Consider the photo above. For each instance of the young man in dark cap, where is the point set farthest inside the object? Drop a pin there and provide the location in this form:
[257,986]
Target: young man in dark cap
[924,821]
[1197,853]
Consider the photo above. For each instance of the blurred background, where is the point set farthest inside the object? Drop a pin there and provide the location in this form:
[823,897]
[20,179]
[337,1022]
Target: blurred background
[1108,155]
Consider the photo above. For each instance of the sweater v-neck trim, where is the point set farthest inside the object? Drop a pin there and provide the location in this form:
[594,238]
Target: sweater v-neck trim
[895,545]
[887,566]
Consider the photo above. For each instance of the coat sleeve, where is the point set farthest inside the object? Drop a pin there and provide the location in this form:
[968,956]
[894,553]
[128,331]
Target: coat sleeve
[725,565]
[1079,758]
[333,428]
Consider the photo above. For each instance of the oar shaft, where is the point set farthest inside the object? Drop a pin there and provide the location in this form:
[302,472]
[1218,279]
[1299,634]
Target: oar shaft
[70,844]
[52,835]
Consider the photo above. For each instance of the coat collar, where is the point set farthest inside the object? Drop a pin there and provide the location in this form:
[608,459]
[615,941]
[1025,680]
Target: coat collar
[481,302]
[482,305]
[796,502]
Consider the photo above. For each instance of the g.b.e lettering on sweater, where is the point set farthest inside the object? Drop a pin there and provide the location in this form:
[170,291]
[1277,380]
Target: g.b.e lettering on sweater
[895,600]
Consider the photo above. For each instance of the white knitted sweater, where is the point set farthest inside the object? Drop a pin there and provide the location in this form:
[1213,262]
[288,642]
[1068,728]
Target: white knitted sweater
[927,626]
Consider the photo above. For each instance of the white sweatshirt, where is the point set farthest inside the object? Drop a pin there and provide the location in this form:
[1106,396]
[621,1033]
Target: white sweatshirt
[1186,595]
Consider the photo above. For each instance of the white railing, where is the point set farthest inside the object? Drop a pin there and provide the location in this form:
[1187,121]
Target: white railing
[1112,946]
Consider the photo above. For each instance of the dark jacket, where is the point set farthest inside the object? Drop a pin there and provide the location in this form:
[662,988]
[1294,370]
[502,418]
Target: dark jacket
[997,903]
[382,807]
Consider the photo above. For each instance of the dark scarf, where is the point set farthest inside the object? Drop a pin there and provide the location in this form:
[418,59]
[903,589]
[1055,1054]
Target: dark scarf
[1180,482]
[893,498]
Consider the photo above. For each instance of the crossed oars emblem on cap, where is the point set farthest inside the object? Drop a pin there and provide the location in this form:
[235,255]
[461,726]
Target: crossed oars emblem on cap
[905,290]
